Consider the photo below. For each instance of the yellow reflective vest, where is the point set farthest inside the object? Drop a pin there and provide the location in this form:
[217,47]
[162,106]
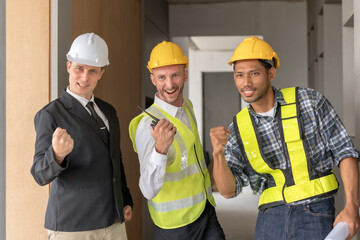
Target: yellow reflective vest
[187,184]
[291,184]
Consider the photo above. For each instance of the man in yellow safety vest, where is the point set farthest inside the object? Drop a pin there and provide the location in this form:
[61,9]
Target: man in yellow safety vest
[173,173]
[284,144]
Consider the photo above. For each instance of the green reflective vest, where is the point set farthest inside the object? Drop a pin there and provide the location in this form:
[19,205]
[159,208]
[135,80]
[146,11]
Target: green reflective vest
[293,183]
[187,184]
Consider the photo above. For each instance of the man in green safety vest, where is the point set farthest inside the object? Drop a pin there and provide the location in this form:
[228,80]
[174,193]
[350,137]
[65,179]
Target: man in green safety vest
[284,144]
[173,173]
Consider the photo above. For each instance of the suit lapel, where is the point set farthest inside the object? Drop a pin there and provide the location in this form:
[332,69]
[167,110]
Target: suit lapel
[104,108]
[77,109]
[112,126]
[114,130]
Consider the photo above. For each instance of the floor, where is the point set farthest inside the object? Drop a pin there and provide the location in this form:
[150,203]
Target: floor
[237,216]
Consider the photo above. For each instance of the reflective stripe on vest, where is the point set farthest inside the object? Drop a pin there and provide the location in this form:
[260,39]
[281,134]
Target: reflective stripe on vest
[303,187]
[191,169]
[187,184]
[253,152]
[179,204]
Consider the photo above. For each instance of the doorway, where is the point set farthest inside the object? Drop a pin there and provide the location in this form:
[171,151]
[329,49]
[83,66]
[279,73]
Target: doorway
[221,102]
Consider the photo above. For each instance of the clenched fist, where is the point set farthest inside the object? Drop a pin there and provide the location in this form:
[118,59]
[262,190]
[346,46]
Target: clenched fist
[219,137]
[62,144]
[163,133]
[127,213]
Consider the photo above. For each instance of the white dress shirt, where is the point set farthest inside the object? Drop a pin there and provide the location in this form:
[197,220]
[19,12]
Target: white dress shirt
[84,101]
[152,163]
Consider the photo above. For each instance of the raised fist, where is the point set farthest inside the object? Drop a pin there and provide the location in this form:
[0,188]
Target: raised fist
[219,137]
[62,144]
[163,133]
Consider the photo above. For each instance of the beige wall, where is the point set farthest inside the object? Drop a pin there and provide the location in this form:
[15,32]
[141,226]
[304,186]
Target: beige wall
[119,23]
[27,90]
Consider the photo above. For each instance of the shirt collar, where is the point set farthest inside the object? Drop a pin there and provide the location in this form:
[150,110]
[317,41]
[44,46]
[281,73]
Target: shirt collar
[83,101]
[279,99]
[170,109]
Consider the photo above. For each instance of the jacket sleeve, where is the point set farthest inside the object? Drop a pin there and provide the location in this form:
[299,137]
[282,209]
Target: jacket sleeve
[152,163]
[126,192]
[45,169]
[126,196]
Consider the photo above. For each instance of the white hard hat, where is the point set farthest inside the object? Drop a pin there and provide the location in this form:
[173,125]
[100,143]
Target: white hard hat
[89,49]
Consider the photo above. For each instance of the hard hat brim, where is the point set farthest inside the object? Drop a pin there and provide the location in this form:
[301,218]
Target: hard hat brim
[86,61]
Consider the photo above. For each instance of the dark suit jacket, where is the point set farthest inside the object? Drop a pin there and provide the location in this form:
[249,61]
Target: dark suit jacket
[89,189]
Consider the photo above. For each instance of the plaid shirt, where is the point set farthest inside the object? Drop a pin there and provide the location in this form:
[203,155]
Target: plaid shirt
[326,137]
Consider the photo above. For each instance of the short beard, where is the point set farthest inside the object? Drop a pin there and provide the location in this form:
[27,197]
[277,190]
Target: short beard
[259,97]
[263,94]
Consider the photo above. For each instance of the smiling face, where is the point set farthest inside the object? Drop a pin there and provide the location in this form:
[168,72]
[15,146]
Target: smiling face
[83,78]
[169,82]
[253,82]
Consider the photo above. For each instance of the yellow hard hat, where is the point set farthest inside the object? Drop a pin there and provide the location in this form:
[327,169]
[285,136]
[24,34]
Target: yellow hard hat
[254,48]
[165,54]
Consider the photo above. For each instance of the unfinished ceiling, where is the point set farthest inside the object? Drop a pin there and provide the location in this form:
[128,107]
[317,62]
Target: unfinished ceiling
[223,1]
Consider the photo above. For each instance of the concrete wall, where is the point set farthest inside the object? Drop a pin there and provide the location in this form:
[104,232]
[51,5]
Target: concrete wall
[348,66]
[333,85]
[356,86]
[282,25]
[326,51]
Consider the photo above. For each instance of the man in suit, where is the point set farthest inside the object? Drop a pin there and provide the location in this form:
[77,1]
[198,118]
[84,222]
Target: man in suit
[77,149]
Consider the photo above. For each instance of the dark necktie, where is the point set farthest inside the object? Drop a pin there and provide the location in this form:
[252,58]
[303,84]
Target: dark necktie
[99,121]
